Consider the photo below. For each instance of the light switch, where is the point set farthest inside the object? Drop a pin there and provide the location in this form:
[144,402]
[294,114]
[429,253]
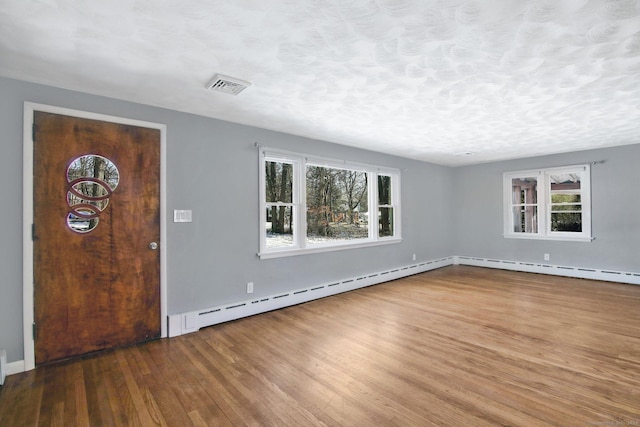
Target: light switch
[180,215]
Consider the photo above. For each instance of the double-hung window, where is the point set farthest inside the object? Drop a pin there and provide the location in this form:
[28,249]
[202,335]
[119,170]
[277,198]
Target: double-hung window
[281,201]
[552,203]
[315,204]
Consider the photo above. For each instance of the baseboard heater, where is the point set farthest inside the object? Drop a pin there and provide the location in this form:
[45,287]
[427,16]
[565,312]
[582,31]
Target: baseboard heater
[3,366]
[556,270]
[184,323]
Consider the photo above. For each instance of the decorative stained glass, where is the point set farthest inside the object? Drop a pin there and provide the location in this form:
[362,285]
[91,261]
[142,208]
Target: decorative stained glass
[91,180]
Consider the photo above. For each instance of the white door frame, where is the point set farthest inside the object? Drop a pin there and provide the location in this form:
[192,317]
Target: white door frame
[27,204]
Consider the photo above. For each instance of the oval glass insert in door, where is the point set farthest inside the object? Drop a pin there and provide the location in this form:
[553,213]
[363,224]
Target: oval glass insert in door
[91,180]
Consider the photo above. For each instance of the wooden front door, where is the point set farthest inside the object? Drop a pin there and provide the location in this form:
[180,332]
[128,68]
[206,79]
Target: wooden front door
[96,235]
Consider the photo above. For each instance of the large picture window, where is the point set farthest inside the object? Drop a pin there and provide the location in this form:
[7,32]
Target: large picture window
[313,204]
[337,204]
[552,203]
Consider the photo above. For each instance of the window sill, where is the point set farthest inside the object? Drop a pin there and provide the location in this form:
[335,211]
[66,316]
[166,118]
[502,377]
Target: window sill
[297,251]
[539,237]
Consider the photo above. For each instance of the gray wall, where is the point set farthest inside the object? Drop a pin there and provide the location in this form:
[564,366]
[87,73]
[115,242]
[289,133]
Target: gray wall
[615,220]
[212,168]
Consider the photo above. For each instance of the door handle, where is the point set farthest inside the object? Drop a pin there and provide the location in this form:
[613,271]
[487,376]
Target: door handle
[153,246]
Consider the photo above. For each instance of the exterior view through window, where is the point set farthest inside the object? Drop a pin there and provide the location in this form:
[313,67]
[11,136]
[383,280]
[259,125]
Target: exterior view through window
[385,206]
[279,204]
[525,204]
[566,202]
[337,204]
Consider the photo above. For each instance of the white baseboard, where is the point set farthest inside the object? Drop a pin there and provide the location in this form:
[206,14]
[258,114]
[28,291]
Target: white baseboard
[14,367]
[184,323]
[556,270]
[3,366]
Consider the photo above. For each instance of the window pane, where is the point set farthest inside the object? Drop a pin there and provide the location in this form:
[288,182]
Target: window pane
[279,226]
[566,221]
[384,190]
[525,219]
[566,208]
[337,204]
[525,190]
[565,198]
[279,182]
[385,222]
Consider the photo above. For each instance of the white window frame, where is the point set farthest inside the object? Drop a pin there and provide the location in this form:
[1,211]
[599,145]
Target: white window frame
[544,203]
[300,245]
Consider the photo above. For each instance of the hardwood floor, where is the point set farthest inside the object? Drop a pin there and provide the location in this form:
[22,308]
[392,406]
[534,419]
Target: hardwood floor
[459,346]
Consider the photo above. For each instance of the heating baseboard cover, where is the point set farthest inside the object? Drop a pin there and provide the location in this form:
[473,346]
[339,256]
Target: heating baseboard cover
[3,365]
[12,368]
[552,269]
[184,323]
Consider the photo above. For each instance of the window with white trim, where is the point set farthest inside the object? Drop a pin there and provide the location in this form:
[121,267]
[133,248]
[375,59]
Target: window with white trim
[313,204]
[552,203]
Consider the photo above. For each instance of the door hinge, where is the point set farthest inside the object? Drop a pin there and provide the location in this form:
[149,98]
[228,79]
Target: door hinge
[33,232]
[33,132]
[34,331]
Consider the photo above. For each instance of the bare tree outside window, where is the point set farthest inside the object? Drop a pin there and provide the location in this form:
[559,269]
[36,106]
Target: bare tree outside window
[385,206]
[280,209]
[337,204]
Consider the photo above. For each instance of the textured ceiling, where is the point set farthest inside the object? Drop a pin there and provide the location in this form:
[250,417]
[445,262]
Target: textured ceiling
[430,80]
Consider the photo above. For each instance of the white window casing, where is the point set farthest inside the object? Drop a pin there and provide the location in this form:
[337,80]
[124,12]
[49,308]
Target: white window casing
[538,207]
[299,244]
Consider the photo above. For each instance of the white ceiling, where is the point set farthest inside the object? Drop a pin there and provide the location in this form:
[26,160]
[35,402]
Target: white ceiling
[430,80]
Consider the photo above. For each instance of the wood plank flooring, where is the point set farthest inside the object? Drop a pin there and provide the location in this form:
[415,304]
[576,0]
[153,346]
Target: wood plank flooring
[459,346]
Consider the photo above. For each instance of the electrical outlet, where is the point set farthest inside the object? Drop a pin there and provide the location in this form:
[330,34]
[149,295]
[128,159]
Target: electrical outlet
[546,257]
[414,257]
[250,287]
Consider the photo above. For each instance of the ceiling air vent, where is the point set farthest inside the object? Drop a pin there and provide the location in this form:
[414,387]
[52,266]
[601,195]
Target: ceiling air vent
[227,84]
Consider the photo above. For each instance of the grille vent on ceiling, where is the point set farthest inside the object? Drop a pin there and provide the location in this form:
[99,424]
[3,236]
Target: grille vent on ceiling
[227,84]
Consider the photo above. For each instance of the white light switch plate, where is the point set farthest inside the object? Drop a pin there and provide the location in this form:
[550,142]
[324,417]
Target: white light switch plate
[181,215]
